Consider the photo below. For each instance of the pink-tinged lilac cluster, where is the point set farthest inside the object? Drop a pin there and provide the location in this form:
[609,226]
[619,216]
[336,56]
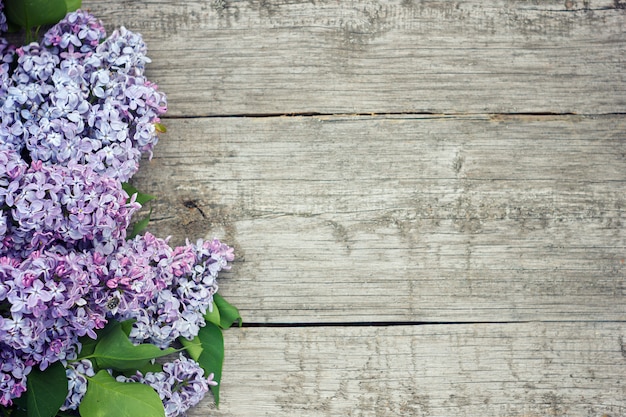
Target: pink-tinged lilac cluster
[48,305]
[57,295]
[130,277]
[79,96]
[178,309]
[180,386]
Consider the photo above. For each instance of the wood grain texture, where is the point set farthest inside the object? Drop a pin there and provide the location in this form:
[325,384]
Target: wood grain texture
[502,211]
[286,56]
[512,370]
[343,219]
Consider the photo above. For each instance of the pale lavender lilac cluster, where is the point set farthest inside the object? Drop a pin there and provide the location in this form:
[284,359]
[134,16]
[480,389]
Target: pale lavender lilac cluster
[68,205]
[81,96]
[76,115]
[77,373]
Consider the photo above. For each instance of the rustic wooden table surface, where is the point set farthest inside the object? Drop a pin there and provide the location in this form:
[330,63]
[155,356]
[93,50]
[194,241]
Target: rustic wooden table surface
[426,198]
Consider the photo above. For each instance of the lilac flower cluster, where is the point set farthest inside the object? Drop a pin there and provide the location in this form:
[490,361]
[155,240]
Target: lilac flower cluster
[190,280]
[76,116]
[80,96]
[13,371]
[50,307]
[180,386]
[56,295]
[77,373]
[68,205]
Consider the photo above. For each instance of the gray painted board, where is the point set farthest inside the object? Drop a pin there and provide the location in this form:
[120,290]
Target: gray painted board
[524,369]
[284,56]
[457,163]
[403,218]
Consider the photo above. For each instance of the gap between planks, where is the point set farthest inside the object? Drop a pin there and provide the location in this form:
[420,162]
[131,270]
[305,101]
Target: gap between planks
[396,114]
[419,323]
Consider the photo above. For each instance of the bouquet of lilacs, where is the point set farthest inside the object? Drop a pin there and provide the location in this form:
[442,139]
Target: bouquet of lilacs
[86,309]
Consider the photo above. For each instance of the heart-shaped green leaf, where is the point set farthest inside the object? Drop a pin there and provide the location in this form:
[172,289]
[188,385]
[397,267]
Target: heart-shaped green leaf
[141,198]
[208,350]
[228,313]
[115,351]
[107,397]
[31,13]
[46,391]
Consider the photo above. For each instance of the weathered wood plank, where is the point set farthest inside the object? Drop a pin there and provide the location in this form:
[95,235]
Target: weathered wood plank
[286,56]
[403,219]
[513,370]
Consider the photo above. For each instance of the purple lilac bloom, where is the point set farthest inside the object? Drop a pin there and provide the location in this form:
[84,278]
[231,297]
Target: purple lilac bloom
[7,54]
[125,52]
[13,372]
[128,279]
[178,308]
[79,31]
[77,96]
[49,306]
[12,168]
[72,206]
[76,116]
[180,386]
[77,373]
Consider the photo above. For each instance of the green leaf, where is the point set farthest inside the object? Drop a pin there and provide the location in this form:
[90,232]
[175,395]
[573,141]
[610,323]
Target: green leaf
[159,127]
[208,350]
[141,197]
[19,406]
[213,316]
[212,357]
[107,397]
[17,412]
[127,326]
[115,351]
[151,367]
[228,313]
[193,347]
[12,28]
[139,226]
[88,345]
[31,13]
[46,390]
[72,5]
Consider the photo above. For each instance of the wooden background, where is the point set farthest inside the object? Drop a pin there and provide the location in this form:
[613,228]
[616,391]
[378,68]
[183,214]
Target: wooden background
[426,198]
